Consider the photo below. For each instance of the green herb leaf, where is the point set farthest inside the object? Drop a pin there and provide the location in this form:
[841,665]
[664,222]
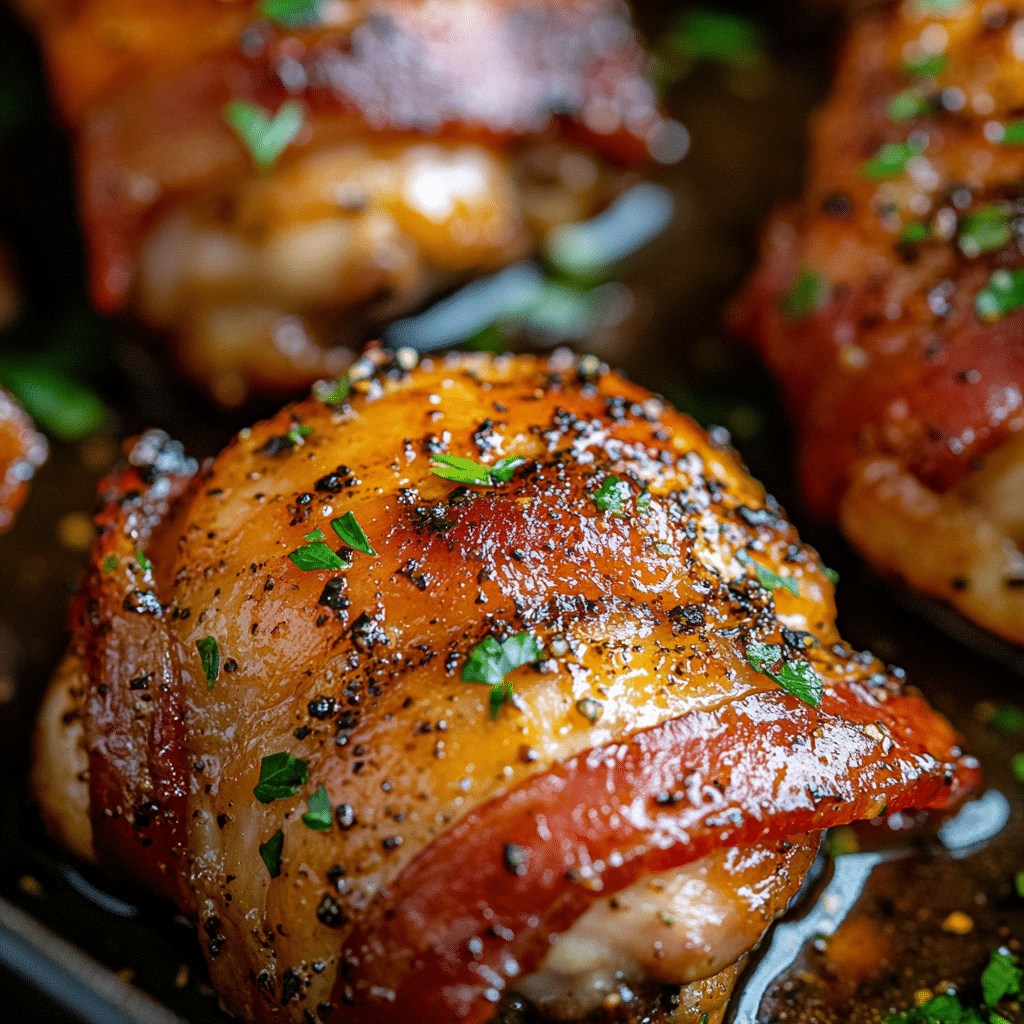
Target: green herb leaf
[466,471]
[281,775]
[1017,764]
[663,549]
[317,555]
[144,563]
[265,137]
[795,677]
[318,817]
[316,535]
[767,578]
[929,64]
[891,160]
[912,234]
[1019,882]
[830,574]
[59,403]
[643,503]
[351,533]
[332,392]
[984,231]
[489,662]
[907,104]
[612,495]
[291,13]
[1003,294]
[297,435]
[270,852]
[109,564]
[1001,978]
[1007,718]
[805,296]
[1013,134]
[209,655]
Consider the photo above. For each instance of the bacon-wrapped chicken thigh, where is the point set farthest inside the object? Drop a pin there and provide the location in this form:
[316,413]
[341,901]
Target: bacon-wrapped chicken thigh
[261,180]
[469,685]
[890,303]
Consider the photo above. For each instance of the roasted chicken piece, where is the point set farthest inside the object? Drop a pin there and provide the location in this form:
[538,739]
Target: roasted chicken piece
[263,180]
[465,684]
[890,304]
[22,451]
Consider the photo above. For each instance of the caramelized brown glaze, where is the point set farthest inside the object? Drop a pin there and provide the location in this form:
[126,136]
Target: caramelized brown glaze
[643,741]
[902,388]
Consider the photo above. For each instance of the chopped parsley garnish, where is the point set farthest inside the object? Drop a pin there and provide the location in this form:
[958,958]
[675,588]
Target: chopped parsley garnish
[830,574]
[1006,718]
[317,555]
[316,535]
[643,503]
[281,775]
[466,471]
[298,434]
[767,578]
[915,232]
[805,296]
[612,495]
[1013,134]
[351,533]
[1001,978]
[209,655]
[1017,764]
[291,13]
[318,817]
[795,677]
[489,662]
[270,852]
[1003,294]
[144,563]
[332,392]
[265,137]
[1019,882]
[984,231]
[891,159]
[927,64]
[907,104]
[663,549]
[109,564]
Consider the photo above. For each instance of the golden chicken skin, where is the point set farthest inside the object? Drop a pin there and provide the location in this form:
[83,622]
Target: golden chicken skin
[22,451]
[260,181]
[890,304]
[468,686]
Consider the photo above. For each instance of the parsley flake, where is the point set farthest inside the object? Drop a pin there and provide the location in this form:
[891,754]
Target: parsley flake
[891,159]
[332,392]
[489,662]
[1017,764]
[466,471]
[927,64]
[830,574]
[317,555]
[1019,882]
[209,655]
[767,578]
[908,104]
[265,137]
[643,503]
[316,535]
[109,564]
[805,296]
[144,563]
[351,533]
[318,817]
[1013,134]
[281,775]
[1003,294]
[612,495]
[270,852]
[1001,978]
[914,233]
[291,13]
[984,231]
[795,677]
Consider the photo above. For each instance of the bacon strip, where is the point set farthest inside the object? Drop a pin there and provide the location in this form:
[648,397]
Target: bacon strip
[768,766]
